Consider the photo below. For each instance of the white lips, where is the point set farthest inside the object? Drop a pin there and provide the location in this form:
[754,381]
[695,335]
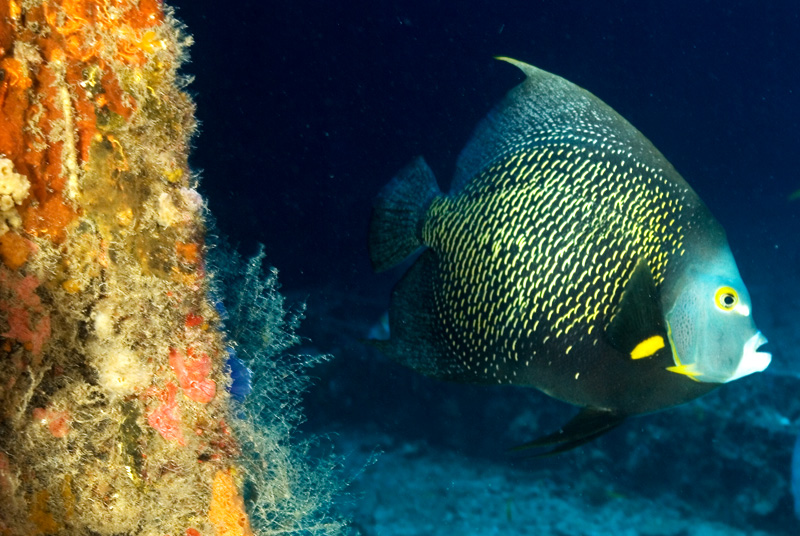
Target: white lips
[752,360]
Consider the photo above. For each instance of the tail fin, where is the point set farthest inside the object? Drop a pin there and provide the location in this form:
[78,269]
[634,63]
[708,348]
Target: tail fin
[398,214]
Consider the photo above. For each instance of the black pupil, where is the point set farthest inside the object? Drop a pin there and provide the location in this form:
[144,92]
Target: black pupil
[727,300]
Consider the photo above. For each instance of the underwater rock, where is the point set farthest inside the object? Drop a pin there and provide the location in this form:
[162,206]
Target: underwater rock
[114,407]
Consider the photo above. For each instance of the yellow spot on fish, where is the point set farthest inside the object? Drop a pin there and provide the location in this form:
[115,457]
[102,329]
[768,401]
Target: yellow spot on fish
[648,347]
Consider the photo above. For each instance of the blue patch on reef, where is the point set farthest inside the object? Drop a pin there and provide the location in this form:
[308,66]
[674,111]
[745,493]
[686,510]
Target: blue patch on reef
[241,377]
[221,311]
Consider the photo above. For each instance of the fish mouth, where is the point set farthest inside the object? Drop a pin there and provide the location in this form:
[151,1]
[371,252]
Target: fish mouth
[752,360]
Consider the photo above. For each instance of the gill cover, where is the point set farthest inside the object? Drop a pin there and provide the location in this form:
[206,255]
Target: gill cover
[713,336]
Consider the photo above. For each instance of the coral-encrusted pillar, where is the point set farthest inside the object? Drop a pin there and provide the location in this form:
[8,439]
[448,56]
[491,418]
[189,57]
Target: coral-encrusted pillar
[113,400]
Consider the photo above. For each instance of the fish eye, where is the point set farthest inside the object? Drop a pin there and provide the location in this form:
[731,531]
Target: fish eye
[726,298]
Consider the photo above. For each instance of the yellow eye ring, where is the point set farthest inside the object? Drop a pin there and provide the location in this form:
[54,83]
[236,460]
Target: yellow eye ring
[726,298]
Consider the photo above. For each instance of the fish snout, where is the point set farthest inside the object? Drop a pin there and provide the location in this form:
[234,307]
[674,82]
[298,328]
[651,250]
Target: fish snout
[752,360]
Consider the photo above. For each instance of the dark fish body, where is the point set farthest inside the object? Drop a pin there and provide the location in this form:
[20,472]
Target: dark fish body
[569,256]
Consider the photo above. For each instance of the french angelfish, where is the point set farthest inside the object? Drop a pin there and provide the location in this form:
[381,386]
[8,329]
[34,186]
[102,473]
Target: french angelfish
[569,256]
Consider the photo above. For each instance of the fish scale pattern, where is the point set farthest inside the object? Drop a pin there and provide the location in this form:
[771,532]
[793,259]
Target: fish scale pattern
[536,251]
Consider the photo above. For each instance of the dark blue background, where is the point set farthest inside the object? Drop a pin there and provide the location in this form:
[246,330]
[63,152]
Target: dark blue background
[309,107]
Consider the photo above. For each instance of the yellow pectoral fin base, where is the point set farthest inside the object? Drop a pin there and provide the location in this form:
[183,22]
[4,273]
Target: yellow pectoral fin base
[687,370]
[648,347]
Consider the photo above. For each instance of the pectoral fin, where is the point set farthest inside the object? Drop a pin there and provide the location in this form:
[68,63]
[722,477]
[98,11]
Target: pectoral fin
[638,329]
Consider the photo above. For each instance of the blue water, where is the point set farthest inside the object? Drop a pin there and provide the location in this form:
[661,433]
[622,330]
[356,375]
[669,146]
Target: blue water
[309,107]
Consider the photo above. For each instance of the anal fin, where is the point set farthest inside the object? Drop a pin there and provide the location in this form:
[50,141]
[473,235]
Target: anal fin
[414,337]
[586,426]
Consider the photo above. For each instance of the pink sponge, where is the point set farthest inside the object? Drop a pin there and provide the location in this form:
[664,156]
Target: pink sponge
[27,320]
[166,417]
[192,374]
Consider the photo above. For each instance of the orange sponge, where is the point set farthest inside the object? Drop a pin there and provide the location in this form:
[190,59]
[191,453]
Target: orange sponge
[227,512]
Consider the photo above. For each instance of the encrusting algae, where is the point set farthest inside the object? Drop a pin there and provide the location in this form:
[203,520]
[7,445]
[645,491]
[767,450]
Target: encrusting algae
[114,412]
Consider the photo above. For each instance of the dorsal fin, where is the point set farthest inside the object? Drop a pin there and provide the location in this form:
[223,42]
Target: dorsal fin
[545,102]
[398,213]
